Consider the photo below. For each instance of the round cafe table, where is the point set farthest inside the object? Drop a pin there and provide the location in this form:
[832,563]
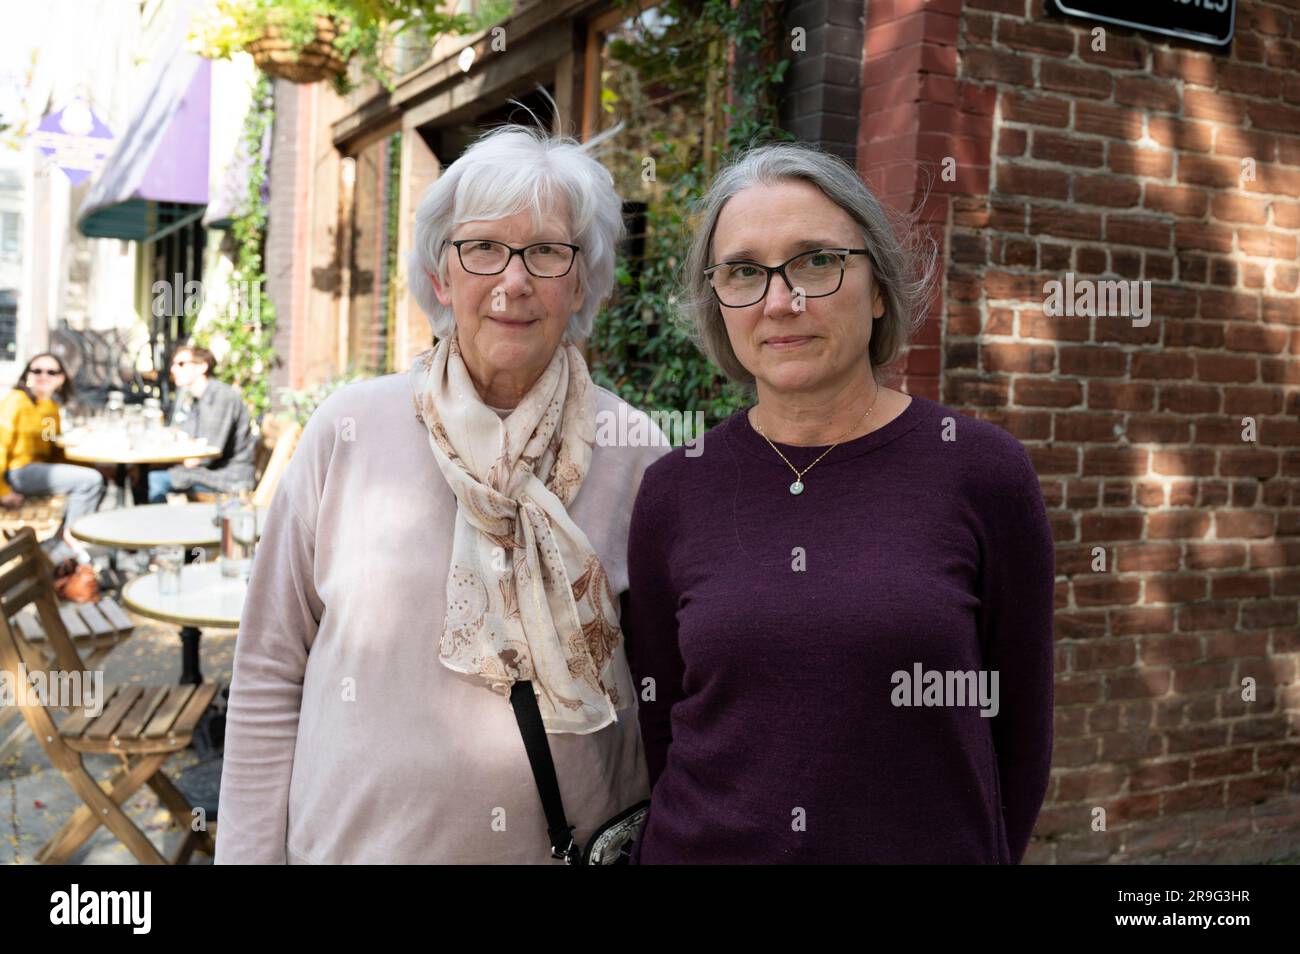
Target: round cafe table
[155,525]
[119,453]
[161,525]
[206,598]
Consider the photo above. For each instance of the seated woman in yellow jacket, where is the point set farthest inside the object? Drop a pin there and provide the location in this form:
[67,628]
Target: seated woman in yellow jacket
[30,461]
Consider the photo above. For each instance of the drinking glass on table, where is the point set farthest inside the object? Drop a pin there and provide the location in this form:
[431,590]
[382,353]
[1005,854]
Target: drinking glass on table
[169,560]
[238,531]
[135,432]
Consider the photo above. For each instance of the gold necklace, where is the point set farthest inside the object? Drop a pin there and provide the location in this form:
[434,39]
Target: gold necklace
[797,487]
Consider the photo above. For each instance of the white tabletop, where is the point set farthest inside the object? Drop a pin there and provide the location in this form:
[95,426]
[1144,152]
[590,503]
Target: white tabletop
[206,598]
[155,525]
[95,451]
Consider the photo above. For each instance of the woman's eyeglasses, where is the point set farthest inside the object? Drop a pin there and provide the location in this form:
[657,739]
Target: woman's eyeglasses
[542,259]
[52,372]
[817,273]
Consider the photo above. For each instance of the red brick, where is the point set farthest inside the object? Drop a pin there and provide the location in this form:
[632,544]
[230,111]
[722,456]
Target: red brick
[1218,173]
[1018,107]
[1146,93]
[1091,361]
[1035,36]
[1179,200]
[1126,526]
[1120,396]
[1131,160]
[1109,121]
[1177,524]
[1239,208]
[1206,104]
[1047,393]
[1121,461]
[1017,179]
[1139,230]
[1215,556]
[1212,367]
[1073,80]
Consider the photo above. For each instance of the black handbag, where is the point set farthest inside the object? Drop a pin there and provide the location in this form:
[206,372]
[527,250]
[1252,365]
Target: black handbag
[611,843]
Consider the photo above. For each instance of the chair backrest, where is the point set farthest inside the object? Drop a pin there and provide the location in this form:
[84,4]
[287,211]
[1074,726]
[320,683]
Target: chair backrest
[26,579]
[285,444]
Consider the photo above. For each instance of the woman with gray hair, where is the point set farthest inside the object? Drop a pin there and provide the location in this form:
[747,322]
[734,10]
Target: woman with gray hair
[445,540]
[845,605]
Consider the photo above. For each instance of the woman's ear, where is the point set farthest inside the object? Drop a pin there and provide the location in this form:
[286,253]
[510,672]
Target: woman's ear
[443,292]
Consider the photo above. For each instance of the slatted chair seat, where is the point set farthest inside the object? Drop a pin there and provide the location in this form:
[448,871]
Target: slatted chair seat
[141,725]
[95,628]
[140,720]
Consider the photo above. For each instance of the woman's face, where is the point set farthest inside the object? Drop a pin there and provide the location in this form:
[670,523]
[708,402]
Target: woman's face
[510,324]
[793,343]
[44,377]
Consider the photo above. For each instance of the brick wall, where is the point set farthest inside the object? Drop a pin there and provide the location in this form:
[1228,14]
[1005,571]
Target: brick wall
[286,211]
[1127,164]
[820,97]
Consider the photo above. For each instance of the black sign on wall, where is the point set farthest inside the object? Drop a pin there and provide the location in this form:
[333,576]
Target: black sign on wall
[1205,21]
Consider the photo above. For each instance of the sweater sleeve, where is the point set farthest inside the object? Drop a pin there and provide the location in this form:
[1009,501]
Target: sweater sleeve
[282,611]
[9,408]
[1016,603]
[651,624]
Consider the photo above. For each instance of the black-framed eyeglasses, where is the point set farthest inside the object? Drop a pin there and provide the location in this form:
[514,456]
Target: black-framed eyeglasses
[54,373]
[817,273]
[542,259]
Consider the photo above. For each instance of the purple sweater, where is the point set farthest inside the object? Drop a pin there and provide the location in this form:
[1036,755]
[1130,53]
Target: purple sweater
[782,633]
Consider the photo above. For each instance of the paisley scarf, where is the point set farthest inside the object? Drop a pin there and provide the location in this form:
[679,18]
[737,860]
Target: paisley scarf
[527,597]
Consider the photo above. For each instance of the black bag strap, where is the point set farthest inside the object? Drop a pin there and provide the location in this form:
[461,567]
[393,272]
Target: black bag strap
[529,717]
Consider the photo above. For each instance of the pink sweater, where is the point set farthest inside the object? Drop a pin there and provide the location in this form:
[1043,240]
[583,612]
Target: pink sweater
[347,741]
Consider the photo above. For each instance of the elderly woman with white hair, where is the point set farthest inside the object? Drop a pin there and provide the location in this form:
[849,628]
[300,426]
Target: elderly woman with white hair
[846,604]
[449,542]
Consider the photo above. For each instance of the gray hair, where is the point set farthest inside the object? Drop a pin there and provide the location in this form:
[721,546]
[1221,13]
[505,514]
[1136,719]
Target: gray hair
[507,170]
[903,268]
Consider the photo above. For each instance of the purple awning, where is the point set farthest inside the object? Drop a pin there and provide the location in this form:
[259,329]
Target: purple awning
[157,178]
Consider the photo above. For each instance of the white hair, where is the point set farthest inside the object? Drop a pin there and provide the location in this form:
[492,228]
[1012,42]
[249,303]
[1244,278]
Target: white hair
[508,170]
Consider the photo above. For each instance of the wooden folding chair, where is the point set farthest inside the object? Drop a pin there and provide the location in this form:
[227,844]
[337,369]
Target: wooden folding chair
[286,442]
[94,628]
[141,725]
[287,434]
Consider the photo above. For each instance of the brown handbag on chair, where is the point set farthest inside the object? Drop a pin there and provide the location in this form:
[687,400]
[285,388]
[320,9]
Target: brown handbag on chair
[76,581]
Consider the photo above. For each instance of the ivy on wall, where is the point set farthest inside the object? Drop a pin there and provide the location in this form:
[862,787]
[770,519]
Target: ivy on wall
[638,349]
[247,326]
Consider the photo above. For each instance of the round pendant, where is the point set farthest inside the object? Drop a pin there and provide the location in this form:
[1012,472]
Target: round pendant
[796,488]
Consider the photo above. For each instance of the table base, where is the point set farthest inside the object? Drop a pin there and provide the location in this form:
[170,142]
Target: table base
[190,656]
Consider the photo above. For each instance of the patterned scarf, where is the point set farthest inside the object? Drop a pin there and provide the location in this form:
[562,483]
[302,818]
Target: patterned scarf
[527,597]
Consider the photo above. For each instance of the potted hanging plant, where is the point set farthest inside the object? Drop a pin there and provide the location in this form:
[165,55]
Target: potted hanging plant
[307,41]
[302,53]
